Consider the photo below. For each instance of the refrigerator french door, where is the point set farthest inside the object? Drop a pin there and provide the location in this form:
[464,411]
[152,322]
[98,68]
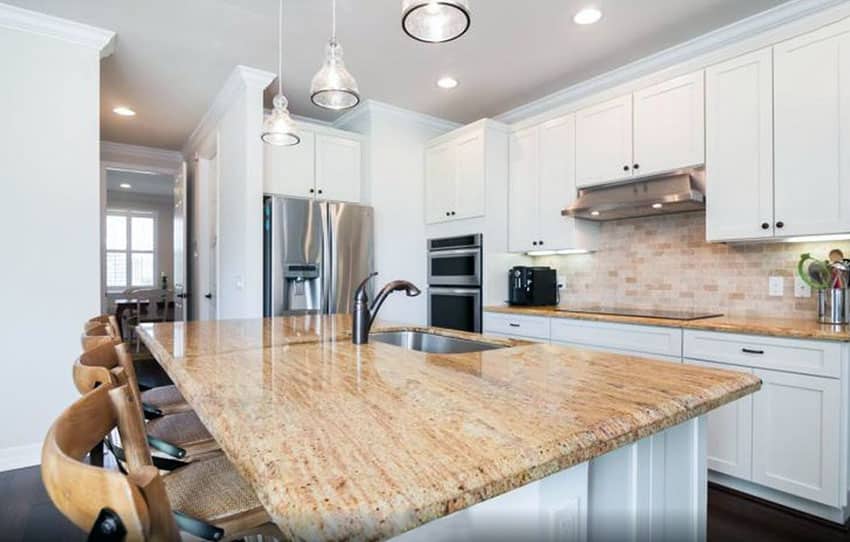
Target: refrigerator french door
[315,255]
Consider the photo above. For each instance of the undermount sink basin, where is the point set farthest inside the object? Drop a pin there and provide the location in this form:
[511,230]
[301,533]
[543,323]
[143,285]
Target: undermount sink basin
[431,342]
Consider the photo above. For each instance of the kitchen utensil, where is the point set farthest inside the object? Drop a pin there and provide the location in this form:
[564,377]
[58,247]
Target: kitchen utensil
[840,274]
[832,306]
[814,272]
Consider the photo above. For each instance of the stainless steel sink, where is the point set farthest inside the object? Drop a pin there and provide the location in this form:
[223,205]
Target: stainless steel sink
[431,342]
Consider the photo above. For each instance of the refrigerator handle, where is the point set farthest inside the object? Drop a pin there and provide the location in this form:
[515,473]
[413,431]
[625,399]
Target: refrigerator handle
[327,257]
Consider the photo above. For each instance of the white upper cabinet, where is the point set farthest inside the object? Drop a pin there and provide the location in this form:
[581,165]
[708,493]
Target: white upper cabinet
[458,167]
[604,142]
[524,185]
[812,132]
[291,171]
[654,130]
[669,125]
[739,148]
[542,183]
[470,175]
[337,168]
[324,165]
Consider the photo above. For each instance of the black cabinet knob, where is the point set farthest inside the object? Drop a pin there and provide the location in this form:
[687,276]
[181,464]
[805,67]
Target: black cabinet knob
[208,296]
[312,190]
[636,166]
[320,191]
[448,213]
[453,213]
[780,224]
[540,243]
[625,168]
[534,243]
[765,225]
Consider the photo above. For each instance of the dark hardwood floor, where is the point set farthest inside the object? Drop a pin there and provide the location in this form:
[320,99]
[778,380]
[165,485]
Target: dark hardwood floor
[26,513]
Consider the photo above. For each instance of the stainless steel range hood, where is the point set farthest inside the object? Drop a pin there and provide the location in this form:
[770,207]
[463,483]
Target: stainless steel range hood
[674,192]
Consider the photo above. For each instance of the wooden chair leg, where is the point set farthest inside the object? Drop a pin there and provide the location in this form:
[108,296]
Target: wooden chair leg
[96,455]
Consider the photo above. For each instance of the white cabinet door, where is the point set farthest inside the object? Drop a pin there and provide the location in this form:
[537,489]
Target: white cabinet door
[439,183]
[290,171]
[523,232]
[337,168]
[739,148]
[796,432]
[812,132]
[604,142]
[669,125]
[469,177]
[730,431]
[558,186]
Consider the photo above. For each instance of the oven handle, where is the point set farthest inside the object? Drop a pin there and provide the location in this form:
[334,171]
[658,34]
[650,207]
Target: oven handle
[455,291]
[455,252]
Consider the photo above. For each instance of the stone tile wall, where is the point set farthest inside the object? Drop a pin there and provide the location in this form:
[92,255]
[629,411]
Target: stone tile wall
[665,262]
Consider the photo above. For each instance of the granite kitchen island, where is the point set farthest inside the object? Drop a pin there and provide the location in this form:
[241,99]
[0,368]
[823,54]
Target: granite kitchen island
[530,441]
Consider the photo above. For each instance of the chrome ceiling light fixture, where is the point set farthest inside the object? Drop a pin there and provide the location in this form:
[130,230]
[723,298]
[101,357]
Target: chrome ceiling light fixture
[333,87]
[435,21]
[279,128]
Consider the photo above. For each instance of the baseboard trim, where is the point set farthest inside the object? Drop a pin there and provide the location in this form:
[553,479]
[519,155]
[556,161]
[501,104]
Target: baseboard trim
[18,457]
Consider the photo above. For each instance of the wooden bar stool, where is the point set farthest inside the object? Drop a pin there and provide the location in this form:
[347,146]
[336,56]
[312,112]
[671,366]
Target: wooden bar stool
[208,500]
[173,430]
[103,328]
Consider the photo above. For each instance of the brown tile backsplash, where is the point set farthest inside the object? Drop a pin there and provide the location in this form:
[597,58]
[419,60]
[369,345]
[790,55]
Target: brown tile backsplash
[665,262]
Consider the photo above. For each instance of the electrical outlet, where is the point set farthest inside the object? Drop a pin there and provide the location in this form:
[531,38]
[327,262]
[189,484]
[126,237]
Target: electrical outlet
[776,286]
[562,282]
[801,289]
[565,522]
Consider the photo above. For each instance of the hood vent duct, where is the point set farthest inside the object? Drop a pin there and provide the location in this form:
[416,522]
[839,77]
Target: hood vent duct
[675,192]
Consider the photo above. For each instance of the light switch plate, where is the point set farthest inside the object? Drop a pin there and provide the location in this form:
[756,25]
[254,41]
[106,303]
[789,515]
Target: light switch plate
[801,289]
[776,285]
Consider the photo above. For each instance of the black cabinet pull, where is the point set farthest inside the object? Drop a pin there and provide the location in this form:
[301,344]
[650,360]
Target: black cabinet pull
[540,243]
[320,191]
[312,190]
[448,213]
[780,224]
[453,213]
[765,225]
[513,325]
[751,351]
[625,168]
[534,243]
[636,166]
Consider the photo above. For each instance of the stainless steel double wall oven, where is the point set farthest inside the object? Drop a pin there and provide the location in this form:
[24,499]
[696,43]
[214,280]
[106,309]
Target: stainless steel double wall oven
[454,282]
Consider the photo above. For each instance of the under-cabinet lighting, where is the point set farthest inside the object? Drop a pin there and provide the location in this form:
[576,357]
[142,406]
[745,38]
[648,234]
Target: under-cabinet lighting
[565,252]
[126,186]
[657,205]
[818,238]
[124,111]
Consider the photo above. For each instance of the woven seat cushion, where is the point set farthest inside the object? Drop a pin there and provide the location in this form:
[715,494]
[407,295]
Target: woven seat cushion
[166,398]
[181,429]
[210,490]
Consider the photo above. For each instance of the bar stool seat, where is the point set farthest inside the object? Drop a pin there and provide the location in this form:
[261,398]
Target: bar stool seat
[185,430]
[166,399]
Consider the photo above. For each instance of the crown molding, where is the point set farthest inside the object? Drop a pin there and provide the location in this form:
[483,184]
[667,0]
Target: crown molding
[35,22]
[122,152]
[374,106]
[707,43]
[242,78]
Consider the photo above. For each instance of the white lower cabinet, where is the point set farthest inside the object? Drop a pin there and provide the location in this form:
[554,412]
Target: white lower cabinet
[730,432]
[796,432]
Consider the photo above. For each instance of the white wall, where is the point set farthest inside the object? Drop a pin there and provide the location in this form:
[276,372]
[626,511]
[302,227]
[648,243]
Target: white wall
[231,131]
[394,163]
[49,227]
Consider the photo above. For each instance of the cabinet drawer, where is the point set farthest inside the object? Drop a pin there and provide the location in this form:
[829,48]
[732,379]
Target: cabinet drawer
[619,337]
[535,327]
[819,358]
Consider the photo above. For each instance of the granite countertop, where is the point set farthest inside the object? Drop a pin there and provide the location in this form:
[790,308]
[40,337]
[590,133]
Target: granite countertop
[342,441]
[752,325]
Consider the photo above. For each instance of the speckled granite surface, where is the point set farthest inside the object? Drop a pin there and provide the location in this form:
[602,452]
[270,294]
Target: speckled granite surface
[796,328]
[365,442]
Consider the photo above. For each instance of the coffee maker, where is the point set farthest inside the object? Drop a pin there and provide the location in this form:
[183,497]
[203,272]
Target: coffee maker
[532,286]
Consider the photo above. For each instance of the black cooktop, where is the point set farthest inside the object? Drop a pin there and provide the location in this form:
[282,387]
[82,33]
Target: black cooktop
[684,316]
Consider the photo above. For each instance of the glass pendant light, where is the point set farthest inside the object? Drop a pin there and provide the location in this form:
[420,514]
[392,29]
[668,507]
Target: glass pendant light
[435,21]
[279,128]
[333,87]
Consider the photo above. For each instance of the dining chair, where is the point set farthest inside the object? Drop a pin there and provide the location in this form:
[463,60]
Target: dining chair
[208,500]
[173,429]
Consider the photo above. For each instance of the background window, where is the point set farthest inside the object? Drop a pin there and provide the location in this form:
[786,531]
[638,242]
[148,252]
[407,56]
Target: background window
[130,249]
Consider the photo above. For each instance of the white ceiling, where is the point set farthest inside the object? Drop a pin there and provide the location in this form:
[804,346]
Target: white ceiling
[140,183]
[172,57]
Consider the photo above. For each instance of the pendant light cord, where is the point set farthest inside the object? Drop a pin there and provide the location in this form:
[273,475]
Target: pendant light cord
[280,48]
[333,21]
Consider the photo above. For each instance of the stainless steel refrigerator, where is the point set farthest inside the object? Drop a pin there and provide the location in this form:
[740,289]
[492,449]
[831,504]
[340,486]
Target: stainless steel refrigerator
[315,255]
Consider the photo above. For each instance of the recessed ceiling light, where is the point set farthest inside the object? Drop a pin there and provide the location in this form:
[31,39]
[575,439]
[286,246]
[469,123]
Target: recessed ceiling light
[126,185]
[587,16]
[447,82]
[124,111]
